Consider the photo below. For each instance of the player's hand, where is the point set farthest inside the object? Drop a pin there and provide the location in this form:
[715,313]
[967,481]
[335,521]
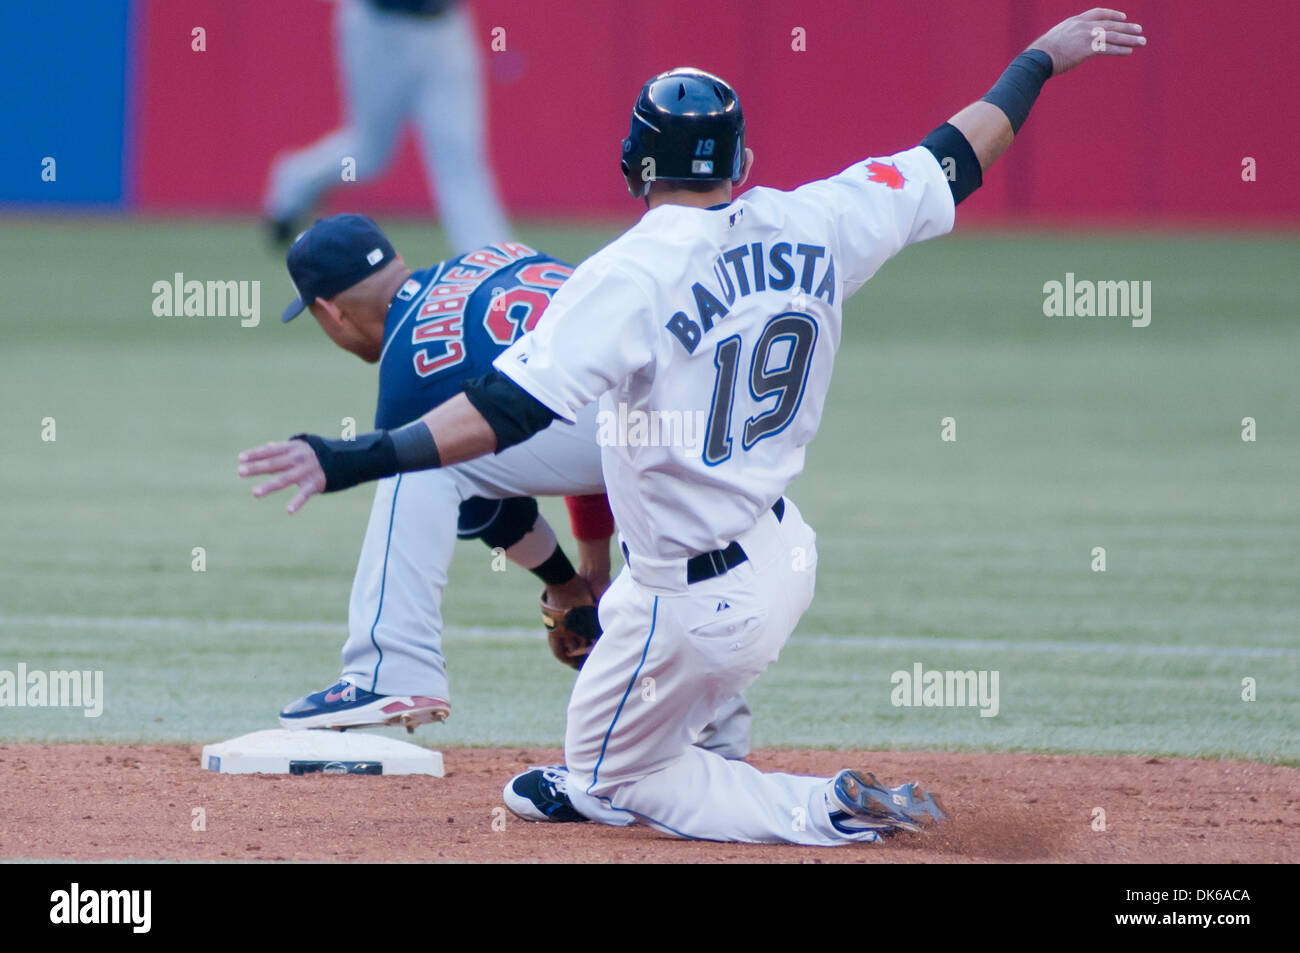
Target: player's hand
[597,581]
[1098,32]
[594,564]
[571,620]
[295,463]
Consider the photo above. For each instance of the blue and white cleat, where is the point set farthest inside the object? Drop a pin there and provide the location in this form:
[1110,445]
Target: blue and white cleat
[866,805]
[343,705]
[541,794]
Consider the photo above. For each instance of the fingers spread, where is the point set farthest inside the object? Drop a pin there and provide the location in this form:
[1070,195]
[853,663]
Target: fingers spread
[305,492]
[267,463]
[264,451]
[277,483]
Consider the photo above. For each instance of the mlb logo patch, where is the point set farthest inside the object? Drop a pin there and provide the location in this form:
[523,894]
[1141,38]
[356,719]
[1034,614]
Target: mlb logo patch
[409,289]
[376,256]
[702,167]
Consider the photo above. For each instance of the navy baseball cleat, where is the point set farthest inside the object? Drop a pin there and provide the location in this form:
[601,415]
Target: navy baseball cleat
[867,805]
[343,705]
[541,794]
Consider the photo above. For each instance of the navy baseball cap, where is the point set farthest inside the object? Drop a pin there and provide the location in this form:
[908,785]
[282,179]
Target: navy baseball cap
[332,256]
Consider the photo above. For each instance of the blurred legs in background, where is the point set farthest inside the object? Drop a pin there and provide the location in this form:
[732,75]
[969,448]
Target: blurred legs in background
[394,67]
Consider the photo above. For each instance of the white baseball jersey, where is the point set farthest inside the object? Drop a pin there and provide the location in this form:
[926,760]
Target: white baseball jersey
[709,336]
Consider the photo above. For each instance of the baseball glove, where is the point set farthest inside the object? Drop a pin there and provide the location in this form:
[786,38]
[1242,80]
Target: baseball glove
[571,629]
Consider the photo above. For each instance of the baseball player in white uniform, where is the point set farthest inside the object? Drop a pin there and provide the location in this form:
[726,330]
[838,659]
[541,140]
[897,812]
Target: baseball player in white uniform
[429,331]
[401,60]
[731,306]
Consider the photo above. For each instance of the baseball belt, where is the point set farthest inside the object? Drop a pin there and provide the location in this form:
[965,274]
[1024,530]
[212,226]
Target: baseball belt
[712,564]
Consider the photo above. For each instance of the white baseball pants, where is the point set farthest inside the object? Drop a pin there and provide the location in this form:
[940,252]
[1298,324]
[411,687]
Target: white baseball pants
[671,655]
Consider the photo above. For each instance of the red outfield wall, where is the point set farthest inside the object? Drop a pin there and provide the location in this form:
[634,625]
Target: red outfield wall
[1159,136]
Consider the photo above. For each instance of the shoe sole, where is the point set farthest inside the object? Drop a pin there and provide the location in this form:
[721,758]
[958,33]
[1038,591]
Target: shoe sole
[907,808]
[523,807]
[372,716]
[520,806]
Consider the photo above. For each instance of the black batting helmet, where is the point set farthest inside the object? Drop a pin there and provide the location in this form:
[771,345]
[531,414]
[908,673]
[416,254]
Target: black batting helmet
[686,125]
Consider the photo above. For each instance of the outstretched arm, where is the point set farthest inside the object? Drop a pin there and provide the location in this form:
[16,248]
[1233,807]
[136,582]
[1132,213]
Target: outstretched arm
[599,328]
[989,125]
[493,413]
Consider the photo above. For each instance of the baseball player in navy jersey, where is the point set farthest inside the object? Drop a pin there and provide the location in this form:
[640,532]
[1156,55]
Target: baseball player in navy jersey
[430,331]
[401,60]
[730,306]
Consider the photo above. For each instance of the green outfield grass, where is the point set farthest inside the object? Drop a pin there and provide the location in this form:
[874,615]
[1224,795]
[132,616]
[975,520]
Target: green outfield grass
[1071,433]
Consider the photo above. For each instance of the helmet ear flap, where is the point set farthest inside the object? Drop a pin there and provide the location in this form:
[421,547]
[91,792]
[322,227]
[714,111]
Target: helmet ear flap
[635,186]
[634,154]
[738,161]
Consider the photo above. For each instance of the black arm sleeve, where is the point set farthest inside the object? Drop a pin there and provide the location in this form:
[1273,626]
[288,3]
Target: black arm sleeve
[1017,88]
[957,159]
[513,414]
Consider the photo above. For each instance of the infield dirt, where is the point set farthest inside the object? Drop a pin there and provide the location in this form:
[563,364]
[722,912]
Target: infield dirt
[99,802]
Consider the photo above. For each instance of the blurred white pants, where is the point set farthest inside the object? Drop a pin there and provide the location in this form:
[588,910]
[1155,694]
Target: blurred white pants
[395,67]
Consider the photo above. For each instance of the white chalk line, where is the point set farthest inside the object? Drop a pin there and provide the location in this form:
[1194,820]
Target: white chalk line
[523,634]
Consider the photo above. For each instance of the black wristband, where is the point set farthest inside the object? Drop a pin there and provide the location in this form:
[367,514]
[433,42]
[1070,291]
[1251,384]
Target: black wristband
[556,570]
[961,167]
[349,462]
[414,447]
[1017,88]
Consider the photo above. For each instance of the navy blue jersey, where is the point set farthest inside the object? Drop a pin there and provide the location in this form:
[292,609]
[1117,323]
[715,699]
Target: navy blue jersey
[448,323]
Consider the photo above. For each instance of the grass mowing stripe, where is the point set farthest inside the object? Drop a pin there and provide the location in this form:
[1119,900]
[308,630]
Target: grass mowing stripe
[515,633]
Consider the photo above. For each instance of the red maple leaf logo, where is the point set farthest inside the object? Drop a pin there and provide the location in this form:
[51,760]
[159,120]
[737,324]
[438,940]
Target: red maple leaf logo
[886,174]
